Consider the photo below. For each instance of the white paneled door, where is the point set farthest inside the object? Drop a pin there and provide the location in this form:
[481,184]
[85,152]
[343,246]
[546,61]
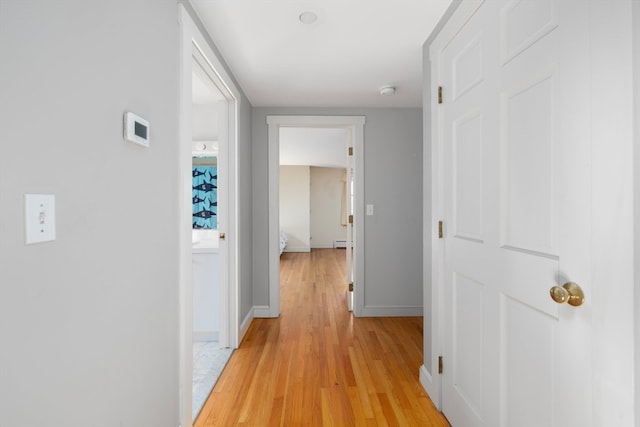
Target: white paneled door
[516,182]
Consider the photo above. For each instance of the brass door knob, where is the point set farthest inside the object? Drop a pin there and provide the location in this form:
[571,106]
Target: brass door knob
[570,292]
[221,236]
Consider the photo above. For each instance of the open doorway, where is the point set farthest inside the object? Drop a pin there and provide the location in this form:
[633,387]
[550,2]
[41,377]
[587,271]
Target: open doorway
[313,165]
[210,317]
[314,192]
[207,205]
[354,129]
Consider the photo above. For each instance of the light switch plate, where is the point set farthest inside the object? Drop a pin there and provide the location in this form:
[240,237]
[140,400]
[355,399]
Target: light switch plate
[39,218]
[369,210]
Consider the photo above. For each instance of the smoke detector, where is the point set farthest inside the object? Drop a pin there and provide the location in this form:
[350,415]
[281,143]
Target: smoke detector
[308,18]
[387,90]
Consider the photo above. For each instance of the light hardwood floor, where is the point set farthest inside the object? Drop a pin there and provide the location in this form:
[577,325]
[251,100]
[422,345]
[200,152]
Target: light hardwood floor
[317,365]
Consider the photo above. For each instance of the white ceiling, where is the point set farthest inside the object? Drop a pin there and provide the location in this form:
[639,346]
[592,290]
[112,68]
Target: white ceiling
[322,147]
[342,60]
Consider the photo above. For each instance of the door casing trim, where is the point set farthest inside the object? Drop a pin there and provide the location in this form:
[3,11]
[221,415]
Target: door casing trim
[191,39]
[356,125]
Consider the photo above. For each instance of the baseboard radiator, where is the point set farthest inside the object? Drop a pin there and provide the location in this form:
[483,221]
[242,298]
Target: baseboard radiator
[342,244]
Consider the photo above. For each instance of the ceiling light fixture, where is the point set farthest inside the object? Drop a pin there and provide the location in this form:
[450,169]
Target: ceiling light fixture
[308,18]
[387,90]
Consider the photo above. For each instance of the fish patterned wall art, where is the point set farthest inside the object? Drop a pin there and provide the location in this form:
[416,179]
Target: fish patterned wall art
[205,197]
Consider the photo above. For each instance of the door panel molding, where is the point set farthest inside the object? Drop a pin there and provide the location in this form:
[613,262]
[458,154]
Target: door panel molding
[547,247]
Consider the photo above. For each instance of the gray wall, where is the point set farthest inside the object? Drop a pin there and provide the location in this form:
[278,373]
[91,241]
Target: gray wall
[89,322]
[393,183]
[245,202]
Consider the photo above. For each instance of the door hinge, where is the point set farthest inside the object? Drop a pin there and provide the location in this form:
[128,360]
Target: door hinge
[351,151]
[440,230]
[350,286]
[350,219]
[439,94]
[440,365]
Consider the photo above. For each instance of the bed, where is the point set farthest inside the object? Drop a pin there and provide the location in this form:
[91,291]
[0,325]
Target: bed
[283,241]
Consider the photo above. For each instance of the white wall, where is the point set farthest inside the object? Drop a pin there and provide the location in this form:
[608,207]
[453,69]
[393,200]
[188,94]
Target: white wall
[310,206]
[205,122]
[294,207]
[206,297]
[392,179]
[612,148]
[327,186]
[89,322]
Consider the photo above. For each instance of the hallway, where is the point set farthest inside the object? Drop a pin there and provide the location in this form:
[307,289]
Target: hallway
[317,365]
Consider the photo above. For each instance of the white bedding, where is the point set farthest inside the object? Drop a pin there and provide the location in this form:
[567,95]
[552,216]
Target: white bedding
[283,241]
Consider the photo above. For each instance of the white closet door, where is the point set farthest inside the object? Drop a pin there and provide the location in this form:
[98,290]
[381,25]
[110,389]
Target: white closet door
[517,185]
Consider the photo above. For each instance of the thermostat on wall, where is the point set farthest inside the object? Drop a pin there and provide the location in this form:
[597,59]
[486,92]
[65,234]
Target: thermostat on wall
[136,129]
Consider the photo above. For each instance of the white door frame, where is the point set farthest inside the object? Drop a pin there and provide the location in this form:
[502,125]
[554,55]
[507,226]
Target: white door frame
[459,14]
[349,195]
[636,206]
[192,41]
[356,125]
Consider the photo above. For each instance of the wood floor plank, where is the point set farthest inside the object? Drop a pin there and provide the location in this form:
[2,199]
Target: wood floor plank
[317,365]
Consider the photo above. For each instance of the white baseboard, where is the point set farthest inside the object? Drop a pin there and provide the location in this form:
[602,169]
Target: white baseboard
[244,326]
[391,311]
[431,387]
[202,336]
[297,249]
[261,311]
[322,246]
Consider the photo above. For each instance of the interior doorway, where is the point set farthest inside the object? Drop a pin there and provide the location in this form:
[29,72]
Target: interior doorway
[354,127]
[207,218]
[315,191]
[210,279]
